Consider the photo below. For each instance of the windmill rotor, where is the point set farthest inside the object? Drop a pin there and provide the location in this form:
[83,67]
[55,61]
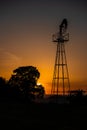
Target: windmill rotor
[61,36]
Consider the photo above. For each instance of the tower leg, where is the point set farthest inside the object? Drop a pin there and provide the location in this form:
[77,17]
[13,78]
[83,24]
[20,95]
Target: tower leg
[60,82]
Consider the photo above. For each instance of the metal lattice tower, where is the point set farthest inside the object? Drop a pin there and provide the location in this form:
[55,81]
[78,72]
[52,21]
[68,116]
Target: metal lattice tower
[61,83]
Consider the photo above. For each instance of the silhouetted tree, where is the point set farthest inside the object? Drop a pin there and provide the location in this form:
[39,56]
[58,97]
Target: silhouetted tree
[24,80]
[39,91]
[3,87]
[2,82]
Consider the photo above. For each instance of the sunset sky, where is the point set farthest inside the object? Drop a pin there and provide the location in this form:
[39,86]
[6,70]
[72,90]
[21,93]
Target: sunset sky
[26,29]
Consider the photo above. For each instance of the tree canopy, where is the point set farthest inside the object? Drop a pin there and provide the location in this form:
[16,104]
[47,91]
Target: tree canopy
[24,80]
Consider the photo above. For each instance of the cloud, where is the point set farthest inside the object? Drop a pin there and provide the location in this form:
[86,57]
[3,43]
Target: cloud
[8,62]
[8,59]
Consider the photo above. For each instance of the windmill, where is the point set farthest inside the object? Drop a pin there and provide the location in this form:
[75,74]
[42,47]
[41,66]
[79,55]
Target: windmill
[60,82]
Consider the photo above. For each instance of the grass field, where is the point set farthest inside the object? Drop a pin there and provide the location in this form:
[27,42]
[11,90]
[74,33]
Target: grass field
[16,115]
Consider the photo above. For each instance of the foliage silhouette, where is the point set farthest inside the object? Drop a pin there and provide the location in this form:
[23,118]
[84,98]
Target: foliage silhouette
[39,91]
[3,87]
[24,82]
[2,82]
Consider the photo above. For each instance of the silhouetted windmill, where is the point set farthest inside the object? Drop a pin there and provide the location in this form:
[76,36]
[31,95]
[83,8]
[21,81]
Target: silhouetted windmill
[61,83]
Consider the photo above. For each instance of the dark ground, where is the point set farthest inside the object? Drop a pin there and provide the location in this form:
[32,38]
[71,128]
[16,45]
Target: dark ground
[16,115]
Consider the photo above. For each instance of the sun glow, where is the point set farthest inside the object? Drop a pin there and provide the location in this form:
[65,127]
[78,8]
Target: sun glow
[38,83]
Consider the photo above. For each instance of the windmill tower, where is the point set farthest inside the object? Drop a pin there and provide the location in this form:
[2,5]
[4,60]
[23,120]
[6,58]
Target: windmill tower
[60,82]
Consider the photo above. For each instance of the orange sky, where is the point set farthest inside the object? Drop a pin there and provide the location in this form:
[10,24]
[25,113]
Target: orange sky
[26,31]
